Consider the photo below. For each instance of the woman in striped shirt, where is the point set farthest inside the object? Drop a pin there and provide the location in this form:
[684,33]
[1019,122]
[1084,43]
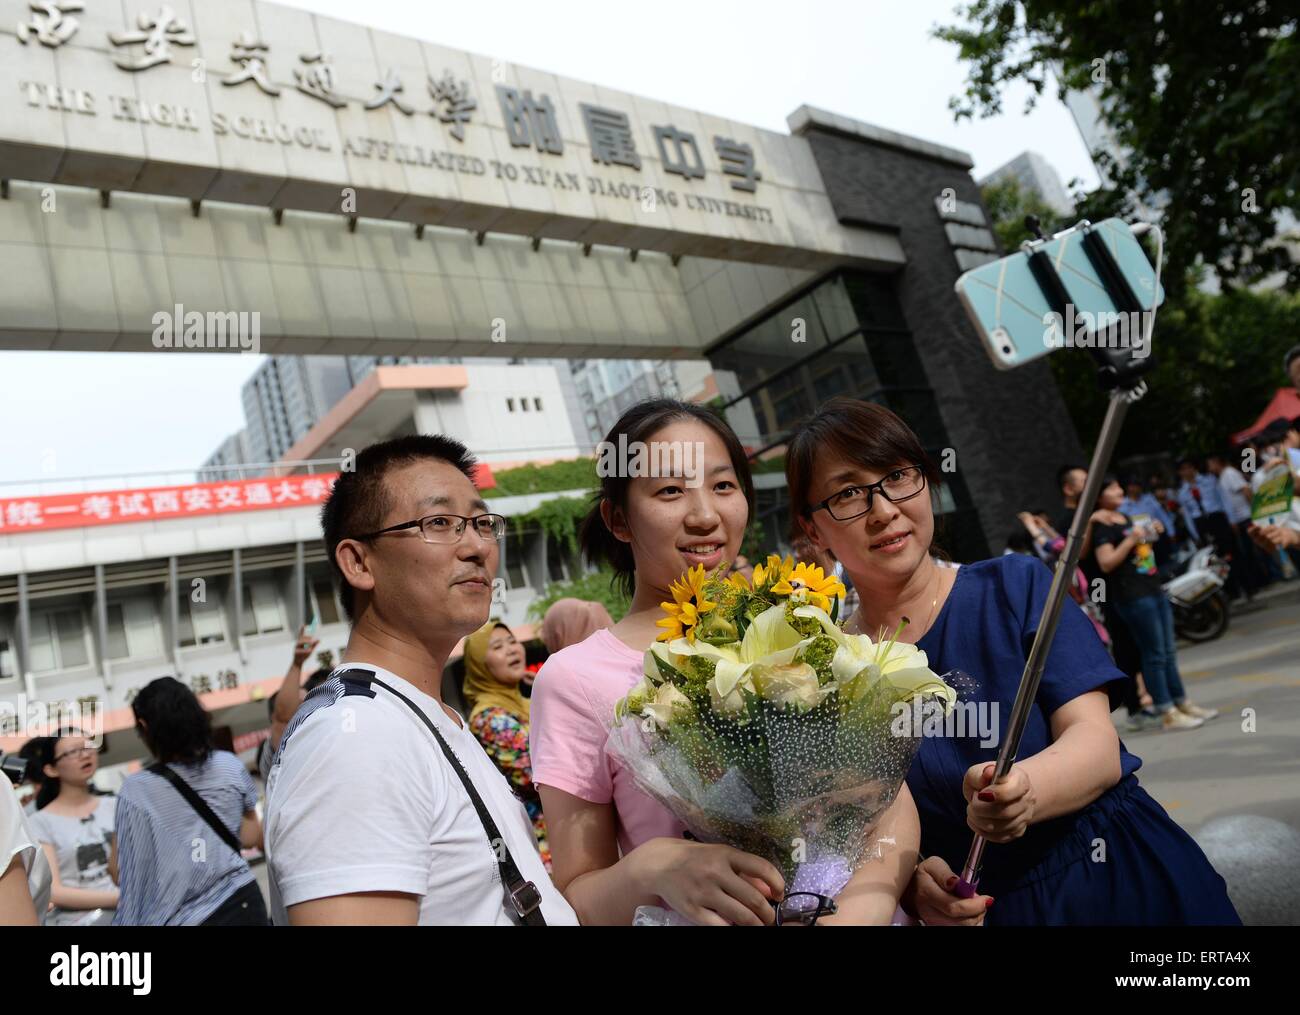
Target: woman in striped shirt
[177,861]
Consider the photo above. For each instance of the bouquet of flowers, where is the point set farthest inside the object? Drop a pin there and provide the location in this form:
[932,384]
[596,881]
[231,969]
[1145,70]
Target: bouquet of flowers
[761,724]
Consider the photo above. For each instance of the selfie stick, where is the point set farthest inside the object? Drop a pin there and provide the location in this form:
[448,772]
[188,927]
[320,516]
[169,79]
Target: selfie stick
[1119,371]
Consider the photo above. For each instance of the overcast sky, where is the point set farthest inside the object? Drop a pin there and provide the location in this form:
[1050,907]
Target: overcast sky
[77,414]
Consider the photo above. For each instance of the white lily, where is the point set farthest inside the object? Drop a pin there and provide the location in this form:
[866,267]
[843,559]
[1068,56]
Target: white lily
[794,684]
[667,702]
[769,640]
[859,663]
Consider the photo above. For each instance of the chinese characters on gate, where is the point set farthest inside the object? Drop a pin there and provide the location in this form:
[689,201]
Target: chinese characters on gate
[530,121]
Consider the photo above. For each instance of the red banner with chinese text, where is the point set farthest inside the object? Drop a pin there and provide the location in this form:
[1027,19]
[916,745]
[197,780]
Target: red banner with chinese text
[162,503]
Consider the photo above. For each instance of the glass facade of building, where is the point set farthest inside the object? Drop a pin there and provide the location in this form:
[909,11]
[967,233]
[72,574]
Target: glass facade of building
[844,335]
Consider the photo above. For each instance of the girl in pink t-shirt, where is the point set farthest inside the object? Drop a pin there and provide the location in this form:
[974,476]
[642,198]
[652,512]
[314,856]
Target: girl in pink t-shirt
[679,495]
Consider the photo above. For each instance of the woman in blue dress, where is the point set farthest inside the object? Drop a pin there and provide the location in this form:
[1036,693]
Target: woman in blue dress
[1074,839]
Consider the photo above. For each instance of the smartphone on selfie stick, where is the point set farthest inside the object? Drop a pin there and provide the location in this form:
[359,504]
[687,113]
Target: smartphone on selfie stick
[1086,286]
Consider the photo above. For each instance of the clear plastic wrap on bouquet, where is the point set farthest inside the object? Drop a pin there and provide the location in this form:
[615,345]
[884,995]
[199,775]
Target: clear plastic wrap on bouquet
[762,724]
[802,787]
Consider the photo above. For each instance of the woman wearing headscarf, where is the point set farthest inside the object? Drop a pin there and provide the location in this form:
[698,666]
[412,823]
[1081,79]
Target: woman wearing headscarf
[495,666]
[569,621]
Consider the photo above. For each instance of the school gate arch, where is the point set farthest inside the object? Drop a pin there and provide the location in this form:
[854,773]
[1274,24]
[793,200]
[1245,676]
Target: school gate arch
[357,192]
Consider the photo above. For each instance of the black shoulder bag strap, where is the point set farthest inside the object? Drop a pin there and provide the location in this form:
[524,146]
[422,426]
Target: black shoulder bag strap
[525,901]
[198,803]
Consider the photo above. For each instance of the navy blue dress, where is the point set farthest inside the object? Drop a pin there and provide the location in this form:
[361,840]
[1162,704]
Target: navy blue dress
[1152,872]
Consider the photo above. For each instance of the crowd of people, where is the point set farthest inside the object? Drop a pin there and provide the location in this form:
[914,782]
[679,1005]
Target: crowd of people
[386,805]
[1137,534]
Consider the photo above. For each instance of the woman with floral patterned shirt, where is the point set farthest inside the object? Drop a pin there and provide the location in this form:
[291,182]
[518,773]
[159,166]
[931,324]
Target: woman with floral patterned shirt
[499,713]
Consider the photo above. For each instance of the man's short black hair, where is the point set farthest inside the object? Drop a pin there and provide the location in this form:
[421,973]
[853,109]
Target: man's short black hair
[1064,471]
[360,498]
[1188,460]
[1291,356]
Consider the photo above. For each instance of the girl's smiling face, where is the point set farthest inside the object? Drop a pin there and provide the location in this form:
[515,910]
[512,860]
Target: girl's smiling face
[695,516]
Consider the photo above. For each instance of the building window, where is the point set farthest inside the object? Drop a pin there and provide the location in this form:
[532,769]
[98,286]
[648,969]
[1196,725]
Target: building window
[537,404]
[554,560]
[323,601]
[261,610]
[523,404]
[514,561]
[133,629]
[8,665]
[59,640]
[510,404]
[199,623]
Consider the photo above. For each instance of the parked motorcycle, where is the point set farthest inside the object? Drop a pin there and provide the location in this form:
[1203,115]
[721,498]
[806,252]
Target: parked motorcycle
[1196,593]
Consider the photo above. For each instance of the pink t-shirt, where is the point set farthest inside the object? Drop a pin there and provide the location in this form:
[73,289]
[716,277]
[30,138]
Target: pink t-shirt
[572,706]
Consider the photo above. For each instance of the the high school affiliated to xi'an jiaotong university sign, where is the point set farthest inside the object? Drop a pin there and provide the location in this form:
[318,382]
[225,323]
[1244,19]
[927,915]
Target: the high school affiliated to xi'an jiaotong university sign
[260,104]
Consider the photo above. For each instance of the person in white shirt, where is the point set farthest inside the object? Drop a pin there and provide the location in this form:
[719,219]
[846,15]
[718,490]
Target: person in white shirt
[25,877]
[371,810]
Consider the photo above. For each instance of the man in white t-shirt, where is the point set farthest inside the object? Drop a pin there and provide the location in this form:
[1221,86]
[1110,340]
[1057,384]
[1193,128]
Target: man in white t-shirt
[368,820]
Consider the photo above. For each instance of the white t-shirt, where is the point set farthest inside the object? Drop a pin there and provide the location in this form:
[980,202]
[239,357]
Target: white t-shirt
[1232,484]
[16,839]
[362,799]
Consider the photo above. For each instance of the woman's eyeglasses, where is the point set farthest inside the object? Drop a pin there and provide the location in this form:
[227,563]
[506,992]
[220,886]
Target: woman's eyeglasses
[75,753]
[804,908]
[449,528]
[855,501]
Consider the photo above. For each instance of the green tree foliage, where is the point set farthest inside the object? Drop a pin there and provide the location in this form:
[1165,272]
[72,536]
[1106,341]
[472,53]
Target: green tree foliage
[1008,204]
[1201,96]
[558,518]
[575,474]
[596,587]
[1218,363]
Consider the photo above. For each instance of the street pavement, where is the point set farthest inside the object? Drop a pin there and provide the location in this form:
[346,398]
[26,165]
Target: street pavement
[1222,768]
[1234,783]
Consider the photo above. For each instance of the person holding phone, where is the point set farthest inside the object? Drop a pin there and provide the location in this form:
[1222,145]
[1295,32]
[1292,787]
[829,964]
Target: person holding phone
[860,485]
[290,694]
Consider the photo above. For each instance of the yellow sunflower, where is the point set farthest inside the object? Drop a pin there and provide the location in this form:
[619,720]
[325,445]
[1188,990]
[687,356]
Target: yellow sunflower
[738,581]
[688,607]
[776,569]
[808,583]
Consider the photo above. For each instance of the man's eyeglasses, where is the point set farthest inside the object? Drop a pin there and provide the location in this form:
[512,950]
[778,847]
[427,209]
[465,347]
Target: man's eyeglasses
[74,753]
[855,501]
[449,528]
[804,908]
